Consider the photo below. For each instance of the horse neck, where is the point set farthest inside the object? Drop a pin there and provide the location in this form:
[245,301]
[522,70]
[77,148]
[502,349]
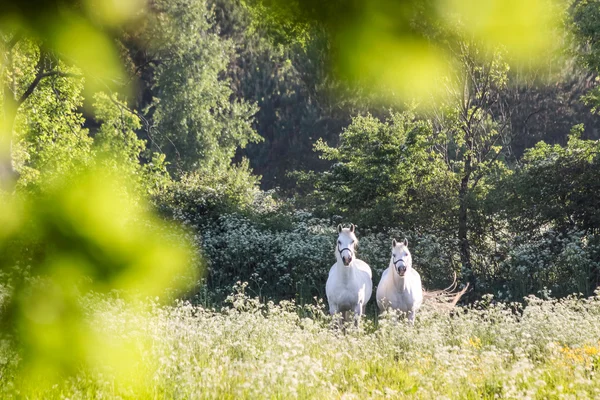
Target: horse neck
[400,282]
[345,273]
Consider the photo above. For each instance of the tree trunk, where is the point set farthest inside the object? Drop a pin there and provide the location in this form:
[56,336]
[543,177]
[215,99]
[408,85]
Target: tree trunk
[8,175]
[463,226]
[462,223]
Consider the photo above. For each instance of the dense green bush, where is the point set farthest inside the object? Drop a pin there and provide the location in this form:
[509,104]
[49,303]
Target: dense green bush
[207,192]
[277,263]
[553,264]
[556,186]
[548,216]
[285,254]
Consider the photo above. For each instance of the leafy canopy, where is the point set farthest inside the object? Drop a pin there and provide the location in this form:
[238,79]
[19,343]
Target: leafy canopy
[380,169]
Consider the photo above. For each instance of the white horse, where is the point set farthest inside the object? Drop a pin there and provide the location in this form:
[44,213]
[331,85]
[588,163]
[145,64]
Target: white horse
[400,285]
[349,284]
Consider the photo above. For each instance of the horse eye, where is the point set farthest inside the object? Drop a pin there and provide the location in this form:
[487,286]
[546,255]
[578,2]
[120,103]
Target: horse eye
[339,242]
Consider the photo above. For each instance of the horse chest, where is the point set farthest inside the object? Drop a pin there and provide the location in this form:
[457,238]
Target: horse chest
[347,295]
[347,289]
[403,300]
[403,297]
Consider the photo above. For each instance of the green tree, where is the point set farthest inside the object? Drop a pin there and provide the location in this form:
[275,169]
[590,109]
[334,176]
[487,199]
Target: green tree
[299,97]
[193,116]
[42,102]
[117,143]
[473,133]
[549,209]
[585,25]
[385,174]
[388,45]
[66,28]
[49,135]
[556,187]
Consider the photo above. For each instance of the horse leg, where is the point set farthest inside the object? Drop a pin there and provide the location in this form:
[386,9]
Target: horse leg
[333,309]
[337,317]
[358,311]
[395,316]
[411,317]
[345,320]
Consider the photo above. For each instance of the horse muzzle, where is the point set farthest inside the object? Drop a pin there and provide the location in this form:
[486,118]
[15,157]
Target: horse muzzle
[401,269]
[347,260]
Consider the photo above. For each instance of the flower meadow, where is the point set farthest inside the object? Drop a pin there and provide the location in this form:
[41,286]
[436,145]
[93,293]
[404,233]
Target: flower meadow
[251,349]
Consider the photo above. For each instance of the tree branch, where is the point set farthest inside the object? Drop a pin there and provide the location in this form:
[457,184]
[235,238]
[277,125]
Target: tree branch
[13,41]
[37,80]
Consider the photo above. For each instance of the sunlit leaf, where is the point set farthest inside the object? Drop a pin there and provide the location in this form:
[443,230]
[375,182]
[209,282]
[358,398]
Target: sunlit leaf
[527,29]
[87,233]
[113,12]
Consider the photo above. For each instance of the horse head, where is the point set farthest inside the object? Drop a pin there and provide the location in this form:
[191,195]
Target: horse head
[346,244]
[401,258]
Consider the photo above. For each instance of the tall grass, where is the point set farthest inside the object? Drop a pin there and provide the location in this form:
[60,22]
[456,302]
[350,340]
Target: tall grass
[544,349]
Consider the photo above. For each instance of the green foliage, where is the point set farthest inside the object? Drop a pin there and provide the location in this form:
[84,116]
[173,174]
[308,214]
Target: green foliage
[71,28]
[207,193]
[556,187]
[473,123]
[120,148]
[299,101]
[50,138]
[585,25]
[279,263]
[49,125]
[401,48]
[545,221]
[383,172]
[550,263]
[116,136]
[81,233]
[198,122]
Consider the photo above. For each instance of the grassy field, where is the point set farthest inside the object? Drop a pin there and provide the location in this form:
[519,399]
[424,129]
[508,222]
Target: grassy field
[546,349]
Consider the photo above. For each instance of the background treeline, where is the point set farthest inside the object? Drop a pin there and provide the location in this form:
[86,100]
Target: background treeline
[242,130]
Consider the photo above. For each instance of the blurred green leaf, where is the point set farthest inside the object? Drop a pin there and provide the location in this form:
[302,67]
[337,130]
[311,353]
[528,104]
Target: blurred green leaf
[80,235]
[402,48]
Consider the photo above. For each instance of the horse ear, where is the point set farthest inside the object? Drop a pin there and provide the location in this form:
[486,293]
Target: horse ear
[352,228]
[339,228]
[394,243]
[406,242]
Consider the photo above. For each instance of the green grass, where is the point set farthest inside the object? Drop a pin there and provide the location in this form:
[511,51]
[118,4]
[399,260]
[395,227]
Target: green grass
[548,350]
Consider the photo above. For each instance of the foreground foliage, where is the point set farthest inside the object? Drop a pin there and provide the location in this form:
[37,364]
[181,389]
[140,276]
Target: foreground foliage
[548,348]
